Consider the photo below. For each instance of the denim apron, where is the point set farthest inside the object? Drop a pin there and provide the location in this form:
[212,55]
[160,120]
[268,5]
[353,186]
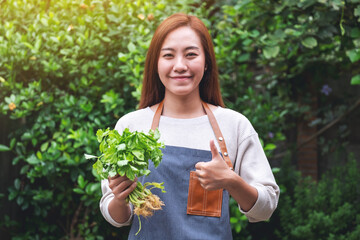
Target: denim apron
[172,222]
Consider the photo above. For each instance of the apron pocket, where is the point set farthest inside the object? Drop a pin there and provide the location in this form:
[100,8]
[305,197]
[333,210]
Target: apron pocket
[202,202]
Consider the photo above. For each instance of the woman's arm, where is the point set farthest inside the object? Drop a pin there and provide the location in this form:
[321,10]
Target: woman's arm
[243,193]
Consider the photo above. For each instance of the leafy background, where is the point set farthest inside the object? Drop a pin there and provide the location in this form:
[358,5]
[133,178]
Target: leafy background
[68,68]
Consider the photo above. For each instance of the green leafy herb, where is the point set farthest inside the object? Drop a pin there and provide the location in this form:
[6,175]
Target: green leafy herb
[129,154]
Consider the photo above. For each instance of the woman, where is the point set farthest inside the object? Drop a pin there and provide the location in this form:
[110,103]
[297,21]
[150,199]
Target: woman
[181,96]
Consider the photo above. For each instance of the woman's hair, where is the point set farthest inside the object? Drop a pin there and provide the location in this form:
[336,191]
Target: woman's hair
[153,91]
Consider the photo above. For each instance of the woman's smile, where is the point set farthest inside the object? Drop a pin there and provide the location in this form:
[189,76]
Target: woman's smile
[180,78]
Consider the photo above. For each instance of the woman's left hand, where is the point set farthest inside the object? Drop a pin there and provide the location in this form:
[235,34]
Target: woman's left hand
[212,175]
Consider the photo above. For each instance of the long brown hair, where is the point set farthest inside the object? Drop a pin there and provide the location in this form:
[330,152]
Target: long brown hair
[153,91]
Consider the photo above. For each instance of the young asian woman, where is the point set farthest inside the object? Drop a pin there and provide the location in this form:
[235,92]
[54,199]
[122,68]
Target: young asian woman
[211,152]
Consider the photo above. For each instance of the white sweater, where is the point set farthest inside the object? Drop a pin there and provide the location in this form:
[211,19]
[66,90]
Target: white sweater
[242,142]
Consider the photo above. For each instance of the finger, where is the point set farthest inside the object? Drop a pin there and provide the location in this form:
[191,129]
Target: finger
[129,190]
[114,177]
[116,180]
[198,173]
[119,185]
[213,148]
[204,184]
[120,181]
[199,165]
[123,186]
[117,177]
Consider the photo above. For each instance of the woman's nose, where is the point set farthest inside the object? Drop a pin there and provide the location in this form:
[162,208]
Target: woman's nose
[180,65]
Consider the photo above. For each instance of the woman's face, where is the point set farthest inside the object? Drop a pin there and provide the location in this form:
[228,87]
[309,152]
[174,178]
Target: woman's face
[181,63]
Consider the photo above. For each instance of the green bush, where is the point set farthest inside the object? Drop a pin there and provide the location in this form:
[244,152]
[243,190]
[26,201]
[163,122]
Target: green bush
[323,210]
[68,68]
[329,209]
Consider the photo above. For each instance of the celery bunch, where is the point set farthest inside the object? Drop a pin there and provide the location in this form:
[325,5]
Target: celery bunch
[129,154]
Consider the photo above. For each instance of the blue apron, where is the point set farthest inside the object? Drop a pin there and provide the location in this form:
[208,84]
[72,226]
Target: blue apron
[172,222]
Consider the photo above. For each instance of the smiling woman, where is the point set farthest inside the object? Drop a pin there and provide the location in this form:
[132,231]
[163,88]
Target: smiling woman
[153,90]
[181,97]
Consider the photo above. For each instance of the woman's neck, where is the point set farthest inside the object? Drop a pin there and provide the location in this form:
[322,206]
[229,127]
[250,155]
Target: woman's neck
[186,107]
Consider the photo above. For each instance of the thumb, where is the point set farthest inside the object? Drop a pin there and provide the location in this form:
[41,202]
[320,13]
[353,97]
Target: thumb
[214,150]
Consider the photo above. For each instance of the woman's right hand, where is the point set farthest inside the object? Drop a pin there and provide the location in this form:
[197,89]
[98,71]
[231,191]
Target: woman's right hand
[121,187]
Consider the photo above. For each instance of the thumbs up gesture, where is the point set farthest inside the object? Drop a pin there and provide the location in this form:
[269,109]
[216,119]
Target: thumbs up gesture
[213,175]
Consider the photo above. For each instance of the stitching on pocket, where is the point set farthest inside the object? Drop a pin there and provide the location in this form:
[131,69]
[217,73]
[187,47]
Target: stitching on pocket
[191,191]
[204,202]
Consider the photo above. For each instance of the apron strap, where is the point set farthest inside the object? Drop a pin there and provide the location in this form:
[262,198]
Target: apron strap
[219,137]
[156,119]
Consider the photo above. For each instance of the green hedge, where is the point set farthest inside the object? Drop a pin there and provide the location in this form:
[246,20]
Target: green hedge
[329,209]
[68,68]
[307,210]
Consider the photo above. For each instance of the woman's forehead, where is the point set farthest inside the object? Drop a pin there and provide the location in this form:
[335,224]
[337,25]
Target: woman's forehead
[182,36]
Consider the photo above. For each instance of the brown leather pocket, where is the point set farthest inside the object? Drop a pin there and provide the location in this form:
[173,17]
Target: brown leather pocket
[202,202]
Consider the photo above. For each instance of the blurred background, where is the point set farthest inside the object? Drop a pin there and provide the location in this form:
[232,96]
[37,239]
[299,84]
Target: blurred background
[68,68]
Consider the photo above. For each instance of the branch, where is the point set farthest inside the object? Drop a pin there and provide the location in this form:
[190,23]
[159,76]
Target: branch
[75,220]
[321,131]
[47,5]
[83,221]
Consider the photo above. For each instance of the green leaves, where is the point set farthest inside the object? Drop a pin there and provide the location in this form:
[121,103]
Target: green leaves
[354,55]
[128,153]
[309,42]
[98,167]
[271,52]
[122,163]
[61,78]
[88,156]
[357,12]
[4,148]
[112,102]
[138,154]
[131,47]
[269,146]
[316,210]
[33,160]
[355,80]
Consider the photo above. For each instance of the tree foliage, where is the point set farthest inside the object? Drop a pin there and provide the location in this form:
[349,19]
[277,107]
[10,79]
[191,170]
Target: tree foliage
[328,209]
[67,69]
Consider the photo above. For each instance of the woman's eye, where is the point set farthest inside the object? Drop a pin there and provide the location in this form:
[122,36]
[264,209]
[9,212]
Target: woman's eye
[191,54]
[167,55]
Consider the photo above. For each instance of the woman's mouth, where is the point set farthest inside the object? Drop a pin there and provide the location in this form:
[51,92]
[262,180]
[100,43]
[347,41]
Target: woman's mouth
[180,78]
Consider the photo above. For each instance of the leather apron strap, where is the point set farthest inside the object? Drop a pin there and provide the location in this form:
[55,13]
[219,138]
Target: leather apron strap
[156,118]
[219,137]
